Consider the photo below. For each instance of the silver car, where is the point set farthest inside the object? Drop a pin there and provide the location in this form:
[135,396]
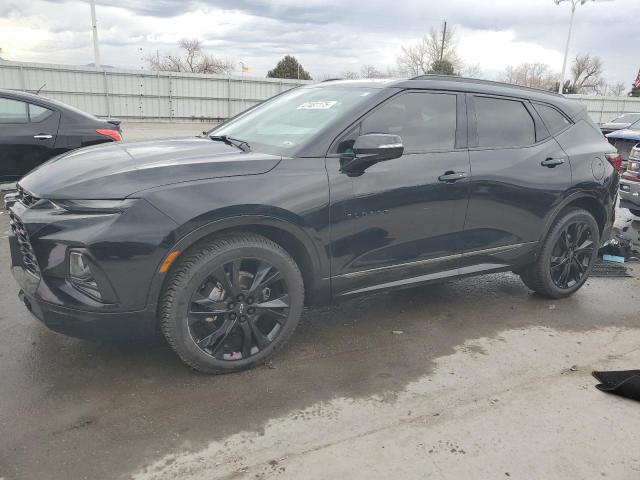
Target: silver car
[623,121]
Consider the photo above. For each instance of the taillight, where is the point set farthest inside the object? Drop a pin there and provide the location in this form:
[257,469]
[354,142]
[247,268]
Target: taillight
[112,134]
[615,159]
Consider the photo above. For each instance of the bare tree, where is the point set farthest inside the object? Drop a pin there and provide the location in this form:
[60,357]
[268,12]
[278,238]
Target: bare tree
[193,60]
[440,44]
[585,74]
[349,75]
[369,71]
[610,89]
[471,70]
[535,75]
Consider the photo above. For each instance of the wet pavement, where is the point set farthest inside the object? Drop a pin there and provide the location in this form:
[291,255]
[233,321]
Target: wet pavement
[481,379]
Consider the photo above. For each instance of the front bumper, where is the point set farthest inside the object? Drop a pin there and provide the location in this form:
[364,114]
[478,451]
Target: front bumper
[629,194]
[92,325]
[125,250]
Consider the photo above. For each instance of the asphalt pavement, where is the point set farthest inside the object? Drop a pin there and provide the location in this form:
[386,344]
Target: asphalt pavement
[473,379]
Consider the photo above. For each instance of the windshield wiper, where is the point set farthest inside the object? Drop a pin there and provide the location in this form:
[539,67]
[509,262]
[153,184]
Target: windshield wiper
[241,144]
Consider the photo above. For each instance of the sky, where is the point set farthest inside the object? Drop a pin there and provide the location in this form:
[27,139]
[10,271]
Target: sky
[327,36]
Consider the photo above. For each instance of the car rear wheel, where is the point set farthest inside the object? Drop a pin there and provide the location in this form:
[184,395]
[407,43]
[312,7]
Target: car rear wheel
[566,257]
[635,212]
[231,303]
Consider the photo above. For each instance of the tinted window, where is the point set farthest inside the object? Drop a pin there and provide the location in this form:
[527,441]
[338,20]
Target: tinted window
[13,111]
[552,118]
[425,121]
[503,123]
[38,114]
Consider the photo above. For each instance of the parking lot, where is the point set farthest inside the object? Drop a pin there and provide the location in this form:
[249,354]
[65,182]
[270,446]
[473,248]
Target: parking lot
[475,378]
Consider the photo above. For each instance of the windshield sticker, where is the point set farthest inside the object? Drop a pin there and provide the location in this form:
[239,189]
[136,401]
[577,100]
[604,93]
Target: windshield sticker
[317,105]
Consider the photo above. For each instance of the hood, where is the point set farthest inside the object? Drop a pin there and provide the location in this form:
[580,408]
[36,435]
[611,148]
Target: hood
[626,135]
[118,170]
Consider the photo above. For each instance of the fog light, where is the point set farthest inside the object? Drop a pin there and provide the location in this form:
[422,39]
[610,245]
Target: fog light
[81,275]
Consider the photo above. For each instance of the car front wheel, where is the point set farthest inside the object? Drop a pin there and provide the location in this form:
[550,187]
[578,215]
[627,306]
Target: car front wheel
[566,257]
[231,303]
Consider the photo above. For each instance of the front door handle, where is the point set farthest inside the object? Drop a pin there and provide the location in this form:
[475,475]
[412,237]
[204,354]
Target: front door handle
[451,176]
[552,162]
[43,136]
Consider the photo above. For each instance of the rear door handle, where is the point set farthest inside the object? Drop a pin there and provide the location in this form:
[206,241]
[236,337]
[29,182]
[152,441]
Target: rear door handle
[451,176]
[552,162]
[43,136]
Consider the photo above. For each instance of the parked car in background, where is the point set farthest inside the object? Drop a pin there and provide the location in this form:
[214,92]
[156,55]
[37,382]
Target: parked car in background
[630,184]
[34,129]
[620,123]
[624,140]
[326,191]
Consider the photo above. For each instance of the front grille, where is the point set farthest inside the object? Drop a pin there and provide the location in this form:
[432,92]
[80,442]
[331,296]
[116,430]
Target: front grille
[28,255]
[25,197]
[624,147]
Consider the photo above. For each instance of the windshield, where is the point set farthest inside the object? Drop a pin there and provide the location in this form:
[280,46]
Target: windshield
[281,124]
[634,126]
[627,118]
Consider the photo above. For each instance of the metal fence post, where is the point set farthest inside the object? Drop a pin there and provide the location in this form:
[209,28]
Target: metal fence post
[229,96]
[106,93]
[22,80]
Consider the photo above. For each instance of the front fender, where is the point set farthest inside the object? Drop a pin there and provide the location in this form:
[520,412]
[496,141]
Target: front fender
[317,254]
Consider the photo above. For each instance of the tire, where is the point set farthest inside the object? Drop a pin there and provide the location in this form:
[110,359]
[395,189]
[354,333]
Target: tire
[635,212]
[548,276]
[203,318]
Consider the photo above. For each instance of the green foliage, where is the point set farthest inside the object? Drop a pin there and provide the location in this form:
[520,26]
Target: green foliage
[442,67]
[289,67]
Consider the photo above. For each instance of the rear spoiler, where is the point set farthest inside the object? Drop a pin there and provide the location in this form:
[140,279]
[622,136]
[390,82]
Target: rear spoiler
[114,121]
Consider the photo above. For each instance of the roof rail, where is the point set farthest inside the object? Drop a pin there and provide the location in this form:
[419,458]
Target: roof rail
[454,78]
[331,80]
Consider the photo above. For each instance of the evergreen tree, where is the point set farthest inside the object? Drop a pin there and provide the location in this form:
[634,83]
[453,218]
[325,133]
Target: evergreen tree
[289,67]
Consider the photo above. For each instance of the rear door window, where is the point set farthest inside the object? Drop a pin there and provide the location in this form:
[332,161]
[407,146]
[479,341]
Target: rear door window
[13,111]
[503,123]
[552,118]
[38,113]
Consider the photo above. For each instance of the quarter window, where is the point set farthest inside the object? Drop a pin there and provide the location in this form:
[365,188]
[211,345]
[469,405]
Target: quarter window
[38,114]
[13,111]
[552,118]
[503,123]
[424,121]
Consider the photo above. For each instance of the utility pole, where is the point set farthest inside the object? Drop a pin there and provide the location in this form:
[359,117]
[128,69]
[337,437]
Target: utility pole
[574,4]
[444,35]
[94,28]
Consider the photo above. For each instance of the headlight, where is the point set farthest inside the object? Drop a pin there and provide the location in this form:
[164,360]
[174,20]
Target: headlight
[82,276]
[94,206]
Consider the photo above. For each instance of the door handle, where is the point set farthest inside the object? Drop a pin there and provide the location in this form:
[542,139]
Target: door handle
[43,136]
[552,162]
[451,176]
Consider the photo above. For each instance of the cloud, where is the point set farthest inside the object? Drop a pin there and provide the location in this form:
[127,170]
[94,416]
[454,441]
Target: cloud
[328,36]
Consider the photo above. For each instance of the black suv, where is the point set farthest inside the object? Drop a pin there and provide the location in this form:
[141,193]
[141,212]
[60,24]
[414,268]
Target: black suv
[328,190]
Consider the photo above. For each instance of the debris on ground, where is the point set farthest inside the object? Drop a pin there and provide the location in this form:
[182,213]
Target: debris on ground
[397,332]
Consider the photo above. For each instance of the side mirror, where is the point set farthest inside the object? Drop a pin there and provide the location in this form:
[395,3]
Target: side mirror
[372,148]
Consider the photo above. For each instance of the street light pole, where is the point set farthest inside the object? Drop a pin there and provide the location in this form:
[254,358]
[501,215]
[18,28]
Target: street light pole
[94,28]
[574,3]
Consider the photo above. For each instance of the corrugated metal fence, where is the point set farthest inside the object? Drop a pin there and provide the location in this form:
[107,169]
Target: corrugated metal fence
[605,109]
[130,94]
[146,95]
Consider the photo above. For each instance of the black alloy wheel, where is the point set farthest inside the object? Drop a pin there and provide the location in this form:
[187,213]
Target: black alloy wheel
[566,255]
[230,302]
[571,255]
[239,309]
